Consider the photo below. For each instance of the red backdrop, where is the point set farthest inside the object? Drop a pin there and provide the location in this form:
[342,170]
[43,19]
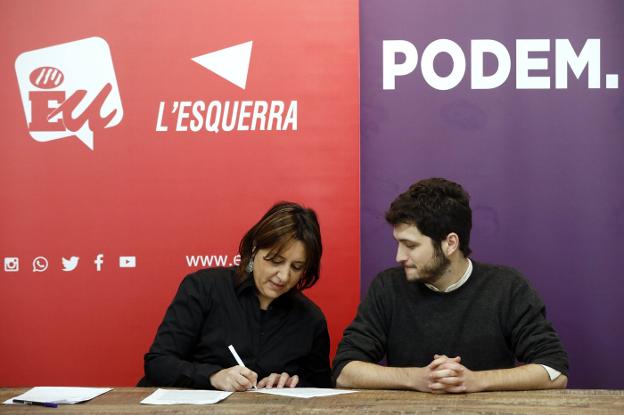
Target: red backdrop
[161,196]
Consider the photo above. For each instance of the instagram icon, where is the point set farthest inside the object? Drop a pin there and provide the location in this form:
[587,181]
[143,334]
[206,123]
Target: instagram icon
[11,264]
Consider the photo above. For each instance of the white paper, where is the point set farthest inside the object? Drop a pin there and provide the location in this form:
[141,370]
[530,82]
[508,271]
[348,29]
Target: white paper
[181,396]
[58,394]
[302,392]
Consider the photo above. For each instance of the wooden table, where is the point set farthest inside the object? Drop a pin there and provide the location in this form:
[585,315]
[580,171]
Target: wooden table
[126,401]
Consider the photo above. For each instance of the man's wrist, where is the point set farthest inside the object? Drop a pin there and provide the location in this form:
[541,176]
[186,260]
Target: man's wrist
[481,381]
[415,378]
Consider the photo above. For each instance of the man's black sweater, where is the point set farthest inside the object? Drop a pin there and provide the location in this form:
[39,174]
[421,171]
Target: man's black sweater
[492,321]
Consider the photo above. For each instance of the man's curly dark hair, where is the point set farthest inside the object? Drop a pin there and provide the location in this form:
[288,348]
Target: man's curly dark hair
[436,207]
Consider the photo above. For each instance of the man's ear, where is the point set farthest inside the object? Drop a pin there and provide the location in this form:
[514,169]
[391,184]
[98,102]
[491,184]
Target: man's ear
[450,244]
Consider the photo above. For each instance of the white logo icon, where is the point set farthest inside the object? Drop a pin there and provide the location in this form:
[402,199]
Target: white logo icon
[40,264]
[99,260]
[69,90]
[11,264]
[127,262]
[70,264]
[231,64]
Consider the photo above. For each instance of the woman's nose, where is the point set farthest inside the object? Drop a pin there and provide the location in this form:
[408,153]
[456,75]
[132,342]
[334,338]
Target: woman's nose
[283,273]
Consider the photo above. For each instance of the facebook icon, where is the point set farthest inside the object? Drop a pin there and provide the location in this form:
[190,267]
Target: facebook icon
[99,260]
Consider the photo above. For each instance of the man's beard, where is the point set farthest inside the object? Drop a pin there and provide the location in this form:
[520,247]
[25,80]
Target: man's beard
[435,269]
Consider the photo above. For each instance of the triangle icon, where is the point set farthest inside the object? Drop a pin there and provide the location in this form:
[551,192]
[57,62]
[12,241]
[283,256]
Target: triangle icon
[231,64]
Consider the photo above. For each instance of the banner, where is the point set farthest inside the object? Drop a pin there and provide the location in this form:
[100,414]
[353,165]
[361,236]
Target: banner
[141,141]
[521,103]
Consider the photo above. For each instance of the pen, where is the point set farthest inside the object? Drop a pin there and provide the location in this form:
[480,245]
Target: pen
[46,404]
[239,361]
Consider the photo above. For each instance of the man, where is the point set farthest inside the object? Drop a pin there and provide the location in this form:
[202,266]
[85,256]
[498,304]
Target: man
[445,323]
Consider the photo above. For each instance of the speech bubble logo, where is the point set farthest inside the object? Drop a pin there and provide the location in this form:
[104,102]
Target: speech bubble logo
[69,90]
[40,264]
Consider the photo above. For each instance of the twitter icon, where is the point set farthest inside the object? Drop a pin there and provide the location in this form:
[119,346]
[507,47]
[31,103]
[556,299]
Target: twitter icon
[70,264]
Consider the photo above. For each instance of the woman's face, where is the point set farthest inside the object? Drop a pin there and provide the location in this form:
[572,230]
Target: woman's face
[277,275]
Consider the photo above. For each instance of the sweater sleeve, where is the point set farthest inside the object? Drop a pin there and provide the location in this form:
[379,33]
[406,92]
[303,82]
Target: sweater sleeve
[365,338]
[167,362]
[533,338]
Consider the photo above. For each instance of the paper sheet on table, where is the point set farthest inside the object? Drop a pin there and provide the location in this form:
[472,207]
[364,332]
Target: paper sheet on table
[302,392]
[59,394]
[181,396]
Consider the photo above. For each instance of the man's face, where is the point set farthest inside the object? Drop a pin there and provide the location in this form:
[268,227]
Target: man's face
[417,254]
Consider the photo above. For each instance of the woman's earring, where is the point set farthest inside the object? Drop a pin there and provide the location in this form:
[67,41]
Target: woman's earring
[249,267]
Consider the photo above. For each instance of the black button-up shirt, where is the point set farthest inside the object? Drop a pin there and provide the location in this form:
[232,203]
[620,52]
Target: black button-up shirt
[210,312]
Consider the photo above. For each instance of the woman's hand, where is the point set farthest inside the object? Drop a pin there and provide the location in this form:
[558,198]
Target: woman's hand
[279,381]
[234,379]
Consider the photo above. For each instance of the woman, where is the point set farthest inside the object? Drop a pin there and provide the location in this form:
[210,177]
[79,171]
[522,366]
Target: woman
[280,335]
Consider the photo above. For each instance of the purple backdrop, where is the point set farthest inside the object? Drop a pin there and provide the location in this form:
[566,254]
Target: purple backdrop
[543,167]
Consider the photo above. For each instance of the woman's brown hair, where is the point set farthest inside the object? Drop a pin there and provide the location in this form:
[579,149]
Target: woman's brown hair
[284,223]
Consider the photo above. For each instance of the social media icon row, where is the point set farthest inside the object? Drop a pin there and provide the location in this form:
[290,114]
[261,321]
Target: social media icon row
[41,264]
[12,264]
